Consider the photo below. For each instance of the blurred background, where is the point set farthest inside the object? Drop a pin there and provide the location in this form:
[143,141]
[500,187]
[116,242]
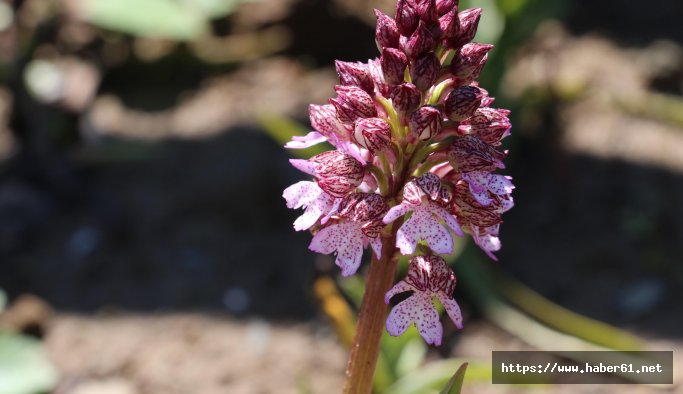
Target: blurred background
[145,246]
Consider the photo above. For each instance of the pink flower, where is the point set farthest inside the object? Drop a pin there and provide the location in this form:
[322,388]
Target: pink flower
[424,197]
[481,220]
[359,225]
[338,173]
[482,182]
[487,239]
[316,202]
[428,277]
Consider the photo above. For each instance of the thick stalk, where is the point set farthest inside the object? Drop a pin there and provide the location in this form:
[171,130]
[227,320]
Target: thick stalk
[371,319]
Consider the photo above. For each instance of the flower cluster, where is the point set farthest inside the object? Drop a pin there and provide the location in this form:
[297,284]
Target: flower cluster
[417,146]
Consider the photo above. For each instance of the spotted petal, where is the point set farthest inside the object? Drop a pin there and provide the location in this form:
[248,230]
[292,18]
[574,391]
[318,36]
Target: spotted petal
[417,309]
[400,287]
[423,225]
[452,309]
[449,219]
[309,195]
[481,182]
[489,242]
[376,245]
[346,240]
[396,212]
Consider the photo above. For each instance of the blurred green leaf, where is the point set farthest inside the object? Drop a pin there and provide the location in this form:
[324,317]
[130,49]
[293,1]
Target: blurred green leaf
[434,375]
[148,18]
[3,300]
[214,8]
[411,356]
[454,385]
[24,367]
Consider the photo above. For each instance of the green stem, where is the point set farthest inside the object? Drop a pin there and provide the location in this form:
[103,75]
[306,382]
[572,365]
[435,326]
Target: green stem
[381,178]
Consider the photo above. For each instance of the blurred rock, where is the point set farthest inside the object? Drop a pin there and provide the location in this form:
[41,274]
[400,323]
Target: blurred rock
[108,386]
[28,314]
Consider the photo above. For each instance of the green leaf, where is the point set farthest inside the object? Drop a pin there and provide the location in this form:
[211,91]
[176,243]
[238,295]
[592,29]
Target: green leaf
[411,356]
[454,385]
[24,367]
[431,377]
[149,18]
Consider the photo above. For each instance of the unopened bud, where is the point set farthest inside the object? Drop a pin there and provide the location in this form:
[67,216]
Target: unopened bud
[386,33]
[374,134]
[425,123]
[324,120]
[406,18]
[461,103]
[445,6]
[449,24]
[469,153]
[425,71]
[491,125]
[469,62]
[394,63]
[426,9]
[355,74]
[352,103]
[469,21]
[420,42]
[338,173]
[405,98]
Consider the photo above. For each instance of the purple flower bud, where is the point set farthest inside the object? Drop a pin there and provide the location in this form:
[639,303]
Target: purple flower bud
[425,71]
[426,9]
[428,185]
[469,62]
[367,209]
[430,273]
[375,67]
[445,6]
[405,98]
[420,42]
[471,212]
[374,134]
[355,74]
[386,33]
[352,103]
[406,18]
[461,103]
[324,119]
[394,63]
[491,125]
[469,21]
[469,153]
[363,207]
[425,123]
[338,173]
[449,24]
